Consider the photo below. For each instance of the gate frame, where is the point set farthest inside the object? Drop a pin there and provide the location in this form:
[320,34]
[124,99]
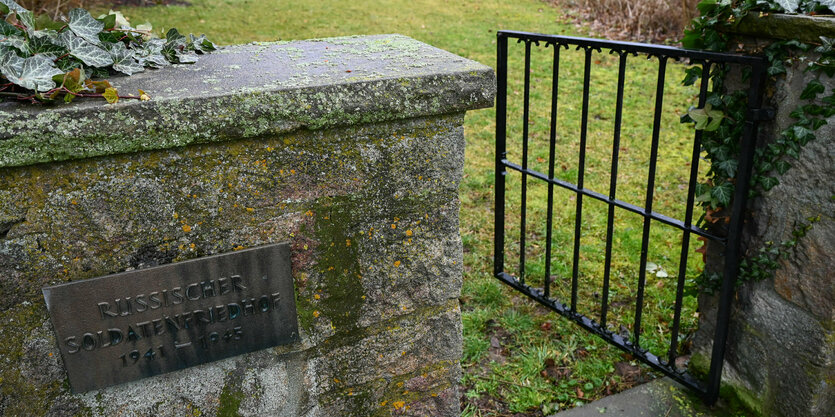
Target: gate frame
[709,390]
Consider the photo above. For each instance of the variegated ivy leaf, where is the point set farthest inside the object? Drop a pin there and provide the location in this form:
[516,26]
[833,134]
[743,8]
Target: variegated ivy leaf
[28,57]
[44,45]
[83,25]
[123,59]
[203,45]
[12,6]
[24,16]
[151,53]
[33,73]
[789,6]
[9,61]
[174,37]
[186,58]
[828,3]
[17,42]
[7,29]
[11,36]
[88,53]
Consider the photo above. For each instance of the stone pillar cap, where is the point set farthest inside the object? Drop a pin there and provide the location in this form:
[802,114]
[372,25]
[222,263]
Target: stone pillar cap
[247,91]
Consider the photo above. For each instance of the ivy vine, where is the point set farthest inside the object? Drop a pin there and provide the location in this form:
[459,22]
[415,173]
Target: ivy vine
[722,118]
[42,60]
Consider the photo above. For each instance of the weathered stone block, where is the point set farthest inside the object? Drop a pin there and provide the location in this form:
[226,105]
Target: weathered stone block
[351,149]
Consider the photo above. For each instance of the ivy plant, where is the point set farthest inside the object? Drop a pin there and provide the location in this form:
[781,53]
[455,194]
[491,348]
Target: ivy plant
[722,117]
[43,61]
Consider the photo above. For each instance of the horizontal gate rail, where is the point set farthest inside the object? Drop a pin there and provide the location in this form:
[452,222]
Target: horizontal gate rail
[708,389]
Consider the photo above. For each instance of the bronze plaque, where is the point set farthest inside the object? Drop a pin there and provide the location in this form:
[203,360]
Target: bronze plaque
[135,324]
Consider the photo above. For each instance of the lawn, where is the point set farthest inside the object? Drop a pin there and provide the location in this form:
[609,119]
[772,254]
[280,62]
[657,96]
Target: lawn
[518,357]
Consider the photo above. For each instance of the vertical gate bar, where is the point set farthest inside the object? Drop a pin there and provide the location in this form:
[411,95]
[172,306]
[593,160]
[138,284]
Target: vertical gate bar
[613,183]
[732,248]
[551,161]
[501,153]
[525,116]
[578,216]
[688,219]
[656,130]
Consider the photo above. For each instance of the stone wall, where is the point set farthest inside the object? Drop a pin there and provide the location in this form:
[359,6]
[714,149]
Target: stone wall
[351,149]
[781,346]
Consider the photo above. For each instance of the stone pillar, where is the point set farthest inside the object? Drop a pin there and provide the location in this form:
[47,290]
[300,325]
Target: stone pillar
[351,149]
[781,347]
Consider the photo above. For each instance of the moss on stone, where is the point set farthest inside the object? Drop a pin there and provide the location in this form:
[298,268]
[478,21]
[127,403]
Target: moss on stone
[230,401]
[22,395]
[740,397]
[802,28]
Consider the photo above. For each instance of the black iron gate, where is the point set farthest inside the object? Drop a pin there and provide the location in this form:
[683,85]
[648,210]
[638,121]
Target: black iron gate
[630,343]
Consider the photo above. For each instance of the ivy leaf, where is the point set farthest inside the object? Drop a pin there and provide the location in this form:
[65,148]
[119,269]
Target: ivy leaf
[44,46]
[812,90]
[828,3]
[111,95]
[25,17]
[186,58]
[692,40]
[9,61]
[793,150]
[714,99]
[789,6]
[98,86]
[201,44]
[11,36]
[173,36]
[776,68]
[33,73]
[175,44]
[11,6]
[125,64]
[151,53]
[767,183]
[782,167]
[706,118]
[123,60]
[87,52]
[109,21]
[7,29]
[691,75]
[722,193]
[85,26]
[706,6]
[802,134]
[826,45]
[68,63]
[110,37]
[729,166]
[72,80]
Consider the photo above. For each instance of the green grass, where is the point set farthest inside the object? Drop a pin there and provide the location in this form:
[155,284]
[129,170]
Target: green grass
[509,379]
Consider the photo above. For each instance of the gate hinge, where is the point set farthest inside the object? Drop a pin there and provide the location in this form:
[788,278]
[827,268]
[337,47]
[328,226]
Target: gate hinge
[762,114]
